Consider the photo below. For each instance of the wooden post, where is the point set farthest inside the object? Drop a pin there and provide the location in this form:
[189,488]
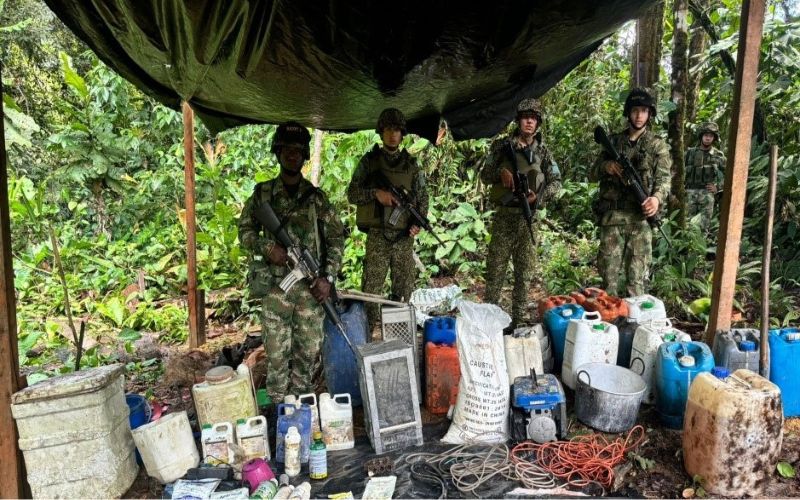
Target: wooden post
[765,261]
[11,481]
[733,198]
[196,333]
[316,158]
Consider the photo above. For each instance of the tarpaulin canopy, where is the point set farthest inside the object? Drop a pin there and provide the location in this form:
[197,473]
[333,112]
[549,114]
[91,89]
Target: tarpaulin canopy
[335,65]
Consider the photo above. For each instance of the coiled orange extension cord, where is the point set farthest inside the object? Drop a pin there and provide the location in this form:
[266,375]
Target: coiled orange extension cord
[581,460]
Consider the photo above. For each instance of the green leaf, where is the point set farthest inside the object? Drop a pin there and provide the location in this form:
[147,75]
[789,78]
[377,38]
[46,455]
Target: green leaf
[700,306]
[34,378]
[468,244]
[19,127]
[129,335]
[71,77]
[785,469]
[443,250]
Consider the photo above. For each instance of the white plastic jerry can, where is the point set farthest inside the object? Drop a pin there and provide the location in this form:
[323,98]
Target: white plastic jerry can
[523,353]
[589,340]
[311,400]
[645,308]
[217,440]
[336,419]
[648,337]
[252,436]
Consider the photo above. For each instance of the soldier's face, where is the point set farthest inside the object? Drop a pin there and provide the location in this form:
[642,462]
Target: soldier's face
[707,139]
[291,158]
[639,116]
[391,137]
[528,123]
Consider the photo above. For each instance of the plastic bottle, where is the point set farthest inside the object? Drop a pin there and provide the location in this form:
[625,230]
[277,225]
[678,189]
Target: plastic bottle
[336,418]
[251,436]
[302,492]
[310,400]
[318,459]
[266,490]
[292,452]
[216,440]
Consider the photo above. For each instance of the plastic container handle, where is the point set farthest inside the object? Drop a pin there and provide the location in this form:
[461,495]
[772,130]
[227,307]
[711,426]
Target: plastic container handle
[592,316]
[641,373]
[344,395]
[589,377]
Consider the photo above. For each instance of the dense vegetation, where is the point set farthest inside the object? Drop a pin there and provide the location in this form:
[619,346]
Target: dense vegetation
[90,155]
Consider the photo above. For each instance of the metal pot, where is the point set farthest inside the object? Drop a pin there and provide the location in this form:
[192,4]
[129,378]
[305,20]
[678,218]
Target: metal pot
[607,397]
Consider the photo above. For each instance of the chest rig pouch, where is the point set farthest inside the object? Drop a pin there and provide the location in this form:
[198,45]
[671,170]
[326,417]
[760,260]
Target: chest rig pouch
[529,164]
[400,171]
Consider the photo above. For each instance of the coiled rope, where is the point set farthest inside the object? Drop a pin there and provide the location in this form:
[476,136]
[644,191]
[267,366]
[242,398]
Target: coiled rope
[583,460]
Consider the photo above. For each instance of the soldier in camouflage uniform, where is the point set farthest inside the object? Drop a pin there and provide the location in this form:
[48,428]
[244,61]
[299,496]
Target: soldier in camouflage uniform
[390,246]
[291,323]
[705,172]
[625,236]
[511,236]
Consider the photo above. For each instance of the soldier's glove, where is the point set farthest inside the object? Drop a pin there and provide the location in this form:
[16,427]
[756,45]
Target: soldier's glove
[507,178]
[278,255]
[386,198]
[321,289]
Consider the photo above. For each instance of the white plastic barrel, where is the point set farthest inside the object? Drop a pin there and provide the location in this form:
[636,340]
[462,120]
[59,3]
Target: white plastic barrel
[336,420]
[167,447]
[648,337]
[589,340]
[522,354]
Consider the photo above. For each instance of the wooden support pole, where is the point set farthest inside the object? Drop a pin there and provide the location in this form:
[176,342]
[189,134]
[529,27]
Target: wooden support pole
[11,482]
[763,363]
[196,333]
[739,138]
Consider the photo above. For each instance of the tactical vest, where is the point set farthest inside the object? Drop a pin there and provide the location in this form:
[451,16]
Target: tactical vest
[701,168]
[400,171]
[499,194]
[302,221]
[612,190]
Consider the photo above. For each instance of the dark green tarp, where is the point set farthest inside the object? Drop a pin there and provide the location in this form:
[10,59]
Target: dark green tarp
[335,64]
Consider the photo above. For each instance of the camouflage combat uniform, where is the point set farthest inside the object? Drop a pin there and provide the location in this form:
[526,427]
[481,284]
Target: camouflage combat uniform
[703,167]
[625,237]
[511,239]
[390,248]
[291,323]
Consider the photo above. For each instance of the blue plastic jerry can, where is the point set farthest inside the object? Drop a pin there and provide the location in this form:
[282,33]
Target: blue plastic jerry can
[784,370]
[556,321]
[677,365]
[339,361]
[290,415]
[440,330]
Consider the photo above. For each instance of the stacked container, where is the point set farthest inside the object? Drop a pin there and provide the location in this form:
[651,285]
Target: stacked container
[738,349]
[442,374]
[589,340]
[677,364]
[648,338]
[732,432]
[75,436]
[553,301]
[556,321]
[641,309]
[784,351]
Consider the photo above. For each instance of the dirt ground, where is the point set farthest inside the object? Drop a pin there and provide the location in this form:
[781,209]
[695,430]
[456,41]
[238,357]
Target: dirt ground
[659,475]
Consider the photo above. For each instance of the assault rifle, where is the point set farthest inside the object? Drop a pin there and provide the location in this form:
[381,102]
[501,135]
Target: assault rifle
[521,190]
[630,176]
[406,205]
[304,265]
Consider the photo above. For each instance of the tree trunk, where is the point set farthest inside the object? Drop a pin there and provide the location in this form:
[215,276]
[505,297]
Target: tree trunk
[100,208]
[316,158]
[697,45]
[647,50]
[679,80]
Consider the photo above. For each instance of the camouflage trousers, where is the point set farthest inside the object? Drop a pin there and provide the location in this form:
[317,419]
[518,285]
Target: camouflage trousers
[626,251]
[382,256]
[700,201]
[511,241]
[291,327]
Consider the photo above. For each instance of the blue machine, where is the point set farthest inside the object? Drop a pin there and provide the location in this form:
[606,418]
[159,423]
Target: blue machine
[538,409]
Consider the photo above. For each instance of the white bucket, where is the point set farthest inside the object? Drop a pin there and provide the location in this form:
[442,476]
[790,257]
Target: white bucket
[167,447]
[336,418]
[589,340]
[648,337]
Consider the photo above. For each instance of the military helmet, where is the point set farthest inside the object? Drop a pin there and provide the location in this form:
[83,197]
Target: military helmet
[708,128]
[639,97]
[291,133]
[530,105]
[391,117]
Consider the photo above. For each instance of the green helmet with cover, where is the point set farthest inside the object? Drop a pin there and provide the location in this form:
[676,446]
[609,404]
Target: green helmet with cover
[391,117]
[708,128]
[530,105]
[639,97]
[291,133]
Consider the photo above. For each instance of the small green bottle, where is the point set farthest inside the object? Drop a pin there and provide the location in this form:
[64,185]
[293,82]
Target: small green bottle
[318,458]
